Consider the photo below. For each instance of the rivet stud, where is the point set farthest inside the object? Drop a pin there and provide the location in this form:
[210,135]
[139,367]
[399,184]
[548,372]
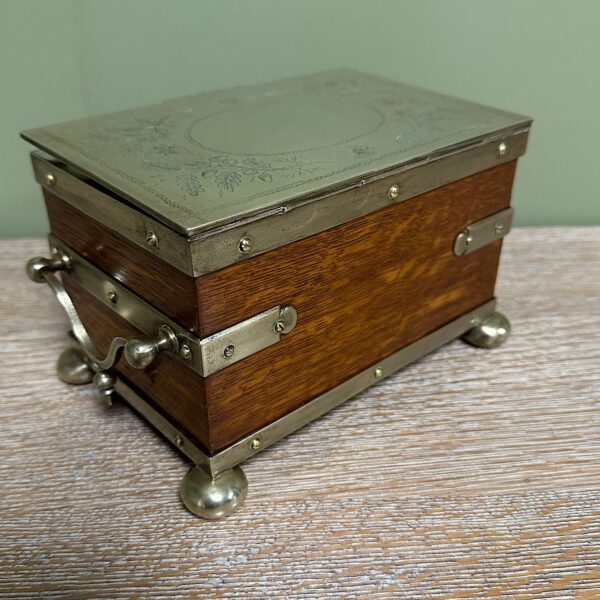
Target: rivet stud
[245,245]
[394,191]
[50,179]
[185,352]
[112,296]
[502,149]
[498,228]
[378,372]
[256,443]
[279,326]
[178,441]
[152,239]
[229,350]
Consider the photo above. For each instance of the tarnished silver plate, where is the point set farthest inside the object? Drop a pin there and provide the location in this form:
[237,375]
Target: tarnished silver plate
[207,160]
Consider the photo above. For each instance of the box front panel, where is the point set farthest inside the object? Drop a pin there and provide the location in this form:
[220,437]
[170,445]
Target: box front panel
[362,290]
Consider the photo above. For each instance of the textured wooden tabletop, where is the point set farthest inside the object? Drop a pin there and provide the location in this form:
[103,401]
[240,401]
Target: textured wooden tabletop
[470,474]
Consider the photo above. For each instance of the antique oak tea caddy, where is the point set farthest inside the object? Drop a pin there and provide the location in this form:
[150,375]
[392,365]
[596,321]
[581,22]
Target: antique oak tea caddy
[235,264]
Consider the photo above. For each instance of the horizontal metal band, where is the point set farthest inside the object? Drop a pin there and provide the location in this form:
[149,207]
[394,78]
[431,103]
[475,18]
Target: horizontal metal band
[106,208]
[205,356]
[262,438]
[222,246]
[246,338]
[163,425]
[484,232]
[217,249]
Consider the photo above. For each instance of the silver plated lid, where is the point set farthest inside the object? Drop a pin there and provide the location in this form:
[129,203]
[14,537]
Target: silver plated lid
[203,161]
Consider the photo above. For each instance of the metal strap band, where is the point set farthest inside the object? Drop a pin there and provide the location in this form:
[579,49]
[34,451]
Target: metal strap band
[262,438]
[483,232]
[226,245]
[205,356]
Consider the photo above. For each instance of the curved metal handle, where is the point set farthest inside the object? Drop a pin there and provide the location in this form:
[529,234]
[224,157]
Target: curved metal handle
[139,352]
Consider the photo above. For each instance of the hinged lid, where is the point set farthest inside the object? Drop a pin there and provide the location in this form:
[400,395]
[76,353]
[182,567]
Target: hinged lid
[213,159]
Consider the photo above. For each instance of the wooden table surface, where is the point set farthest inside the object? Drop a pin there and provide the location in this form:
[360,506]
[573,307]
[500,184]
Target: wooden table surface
[470,474]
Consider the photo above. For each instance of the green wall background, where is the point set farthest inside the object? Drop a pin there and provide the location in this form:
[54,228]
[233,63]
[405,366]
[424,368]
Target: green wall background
[65,59]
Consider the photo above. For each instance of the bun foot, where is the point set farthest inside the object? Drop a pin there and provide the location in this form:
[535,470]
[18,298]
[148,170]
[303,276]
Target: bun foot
[73,367]
[489,333]
[213,498]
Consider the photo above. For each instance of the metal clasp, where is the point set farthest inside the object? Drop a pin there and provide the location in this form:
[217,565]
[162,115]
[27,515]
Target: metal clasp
[483,232]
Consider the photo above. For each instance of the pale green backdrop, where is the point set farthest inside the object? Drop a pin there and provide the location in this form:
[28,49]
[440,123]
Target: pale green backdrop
[64,59]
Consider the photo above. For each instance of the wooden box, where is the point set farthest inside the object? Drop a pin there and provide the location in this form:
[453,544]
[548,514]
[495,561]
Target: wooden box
[236,263]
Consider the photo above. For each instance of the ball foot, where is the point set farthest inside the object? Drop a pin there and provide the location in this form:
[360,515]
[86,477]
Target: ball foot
[489,333]
[73,367]
[213,498]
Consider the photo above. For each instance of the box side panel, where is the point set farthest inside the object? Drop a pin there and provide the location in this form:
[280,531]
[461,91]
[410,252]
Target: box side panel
[362,290]
[170,386]
[166,288]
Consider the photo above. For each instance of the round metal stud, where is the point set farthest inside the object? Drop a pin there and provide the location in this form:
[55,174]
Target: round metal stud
[74,368]
[185,352]
[50,179]
[489,333]
[378,372]
[229,351]
[394,191]
[112,296]
[213,498]
[178,441]
[152,239]
[279,326]
[498,228]
[256,443]
[502,149]
[245,245]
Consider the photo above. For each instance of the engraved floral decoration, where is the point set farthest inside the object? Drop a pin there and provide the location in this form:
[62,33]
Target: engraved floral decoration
[413,121]
[361,151]
[148,140]
[156,145]
[228,173]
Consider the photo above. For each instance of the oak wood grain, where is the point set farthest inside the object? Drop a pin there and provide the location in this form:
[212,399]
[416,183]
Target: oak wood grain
[168,384]
[469,474]
[362,290]
[169,290]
